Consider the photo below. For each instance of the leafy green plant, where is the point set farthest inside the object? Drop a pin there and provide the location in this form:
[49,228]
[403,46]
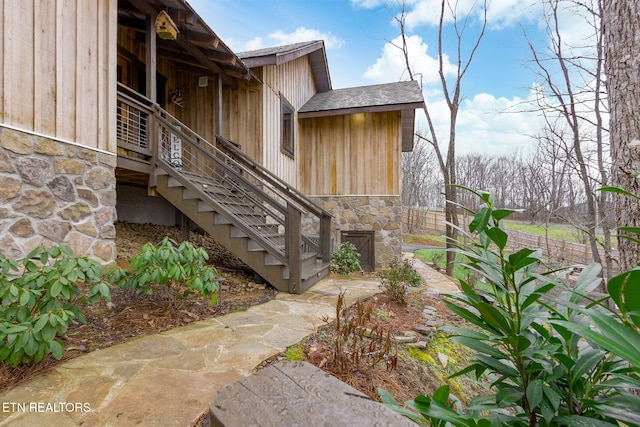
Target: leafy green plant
[617,330]
[527,331]
[440,410]
[346,259]
[395,280]
[437,257]
[381,314]
[179,270]
[38,301]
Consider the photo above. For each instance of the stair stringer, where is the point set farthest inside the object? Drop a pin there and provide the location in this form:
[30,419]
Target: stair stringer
[239,246]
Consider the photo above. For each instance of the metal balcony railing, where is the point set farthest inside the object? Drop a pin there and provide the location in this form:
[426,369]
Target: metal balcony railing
[253,199]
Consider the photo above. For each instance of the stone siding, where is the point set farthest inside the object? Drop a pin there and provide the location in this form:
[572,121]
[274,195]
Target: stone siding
[382,214]
[53,192]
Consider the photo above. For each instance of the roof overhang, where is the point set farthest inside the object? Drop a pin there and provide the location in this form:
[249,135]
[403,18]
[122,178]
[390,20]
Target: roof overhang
[355,110]
[278,55]
[196,45]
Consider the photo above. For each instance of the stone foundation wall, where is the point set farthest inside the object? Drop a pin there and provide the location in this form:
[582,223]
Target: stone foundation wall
[382,214]
[53,192]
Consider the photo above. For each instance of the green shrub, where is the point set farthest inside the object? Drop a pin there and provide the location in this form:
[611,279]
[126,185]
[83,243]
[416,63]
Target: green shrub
[437,257]
[177,270]
[38,297]
[346,259]
[553,359]
[397,277]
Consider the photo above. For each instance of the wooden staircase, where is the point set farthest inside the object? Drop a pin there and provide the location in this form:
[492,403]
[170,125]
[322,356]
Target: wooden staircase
[243,206]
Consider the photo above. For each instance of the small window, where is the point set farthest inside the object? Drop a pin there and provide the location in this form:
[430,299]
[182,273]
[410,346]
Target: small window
[287,115]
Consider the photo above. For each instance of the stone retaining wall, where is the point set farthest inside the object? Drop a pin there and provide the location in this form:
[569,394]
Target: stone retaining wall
[380,213]
[54,192]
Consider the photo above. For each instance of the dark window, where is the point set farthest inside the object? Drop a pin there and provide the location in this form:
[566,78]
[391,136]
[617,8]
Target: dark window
[288,120]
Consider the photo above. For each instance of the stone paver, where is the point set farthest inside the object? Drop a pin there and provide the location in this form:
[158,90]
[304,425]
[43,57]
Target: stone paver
[171,377]
[434,281]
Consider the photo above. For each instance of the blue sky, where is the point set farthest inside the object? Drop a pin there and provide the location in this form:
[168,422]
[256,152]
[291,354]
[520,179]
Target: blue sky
[357,35]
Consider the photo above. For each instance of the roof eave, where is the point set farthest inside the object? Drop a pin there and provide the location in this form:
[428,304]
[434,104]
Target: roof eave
[317,59]
[355,110]
[283,57]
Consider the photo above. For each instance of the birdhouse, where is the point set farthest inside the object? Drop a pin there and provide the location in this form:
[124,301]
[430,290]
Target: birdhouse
[165,27]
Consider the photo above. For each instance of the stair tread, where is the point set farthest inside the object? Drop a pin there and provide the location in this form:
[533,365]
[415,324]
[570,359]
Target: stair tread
[228,228]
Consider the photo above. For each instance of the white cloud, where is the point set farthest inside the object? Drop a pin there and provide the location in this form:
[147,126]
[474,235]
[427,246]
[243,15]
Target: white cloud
[369,4]
[390,66]
[500,13]
[578,28]
[485,124]
[300,34]
[253,44]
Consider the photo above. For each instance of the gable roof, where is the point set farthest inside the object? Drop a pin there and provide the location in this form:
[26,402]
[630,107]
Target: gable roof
[383,97]
[281,54]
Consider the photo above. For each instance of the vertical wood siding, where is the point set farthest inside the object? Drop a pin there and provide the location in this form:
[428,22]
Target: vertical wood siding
[58,69]
[242,117]
[295,81]
[352,154]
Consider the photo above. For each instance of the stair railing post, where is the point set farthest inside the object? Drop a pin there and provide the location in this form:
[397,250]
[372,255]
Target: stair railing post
[153,144]
[325,237]
[293,247]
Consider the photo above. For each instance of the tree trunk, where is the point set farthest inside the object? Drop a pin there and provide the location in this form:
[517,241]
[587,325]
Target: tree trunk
[622,65]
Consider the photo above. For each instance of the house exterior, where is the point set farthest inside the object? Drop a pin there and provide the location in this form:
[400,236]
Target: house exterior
[108,112]
[346,152]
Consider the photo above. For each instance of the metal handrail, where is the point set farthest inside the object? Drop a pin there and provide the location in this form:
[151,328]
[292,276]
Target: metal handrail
[204,164]
[221,177]
[232,150]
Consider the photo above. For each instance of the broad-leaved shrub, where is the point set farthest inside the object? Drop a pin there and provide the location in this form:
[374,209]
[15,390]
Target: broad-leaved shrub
[38,301]
[395,280]
[345,260]
[555,355]
[177,269]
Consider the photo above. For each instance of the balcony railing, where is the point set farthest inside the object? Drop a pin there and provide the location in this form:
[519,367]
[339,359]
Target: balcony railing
[220,176]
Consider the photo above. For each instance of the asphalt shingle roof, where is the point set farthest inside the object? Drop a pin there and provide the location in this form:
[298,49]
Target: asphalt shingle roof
[275,50]
[281,54]
[386,96]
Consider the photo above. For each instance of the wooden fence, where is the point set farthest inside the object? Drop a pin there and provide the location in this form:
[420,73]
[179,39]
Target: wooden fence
[561,251]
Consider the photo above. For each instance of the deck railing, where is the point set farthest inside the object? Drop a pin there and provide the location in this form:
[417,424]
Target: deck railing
[132,126]
[221,175]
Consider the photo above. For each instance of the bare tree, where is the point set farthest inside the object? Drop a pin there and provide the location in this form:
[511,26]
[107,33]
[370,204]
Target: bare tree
[419,180]
[474,171]
[622,44]
[452,92]
[572,105]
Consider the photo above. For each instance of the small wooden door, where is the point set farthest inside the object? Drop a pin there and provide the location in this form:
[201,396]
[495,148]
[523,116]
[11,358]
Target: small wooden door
[364,241]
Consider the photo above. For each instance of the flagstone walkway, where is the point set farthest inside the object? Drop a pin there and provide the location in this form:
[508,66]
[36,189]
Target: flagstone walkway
[168,379]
